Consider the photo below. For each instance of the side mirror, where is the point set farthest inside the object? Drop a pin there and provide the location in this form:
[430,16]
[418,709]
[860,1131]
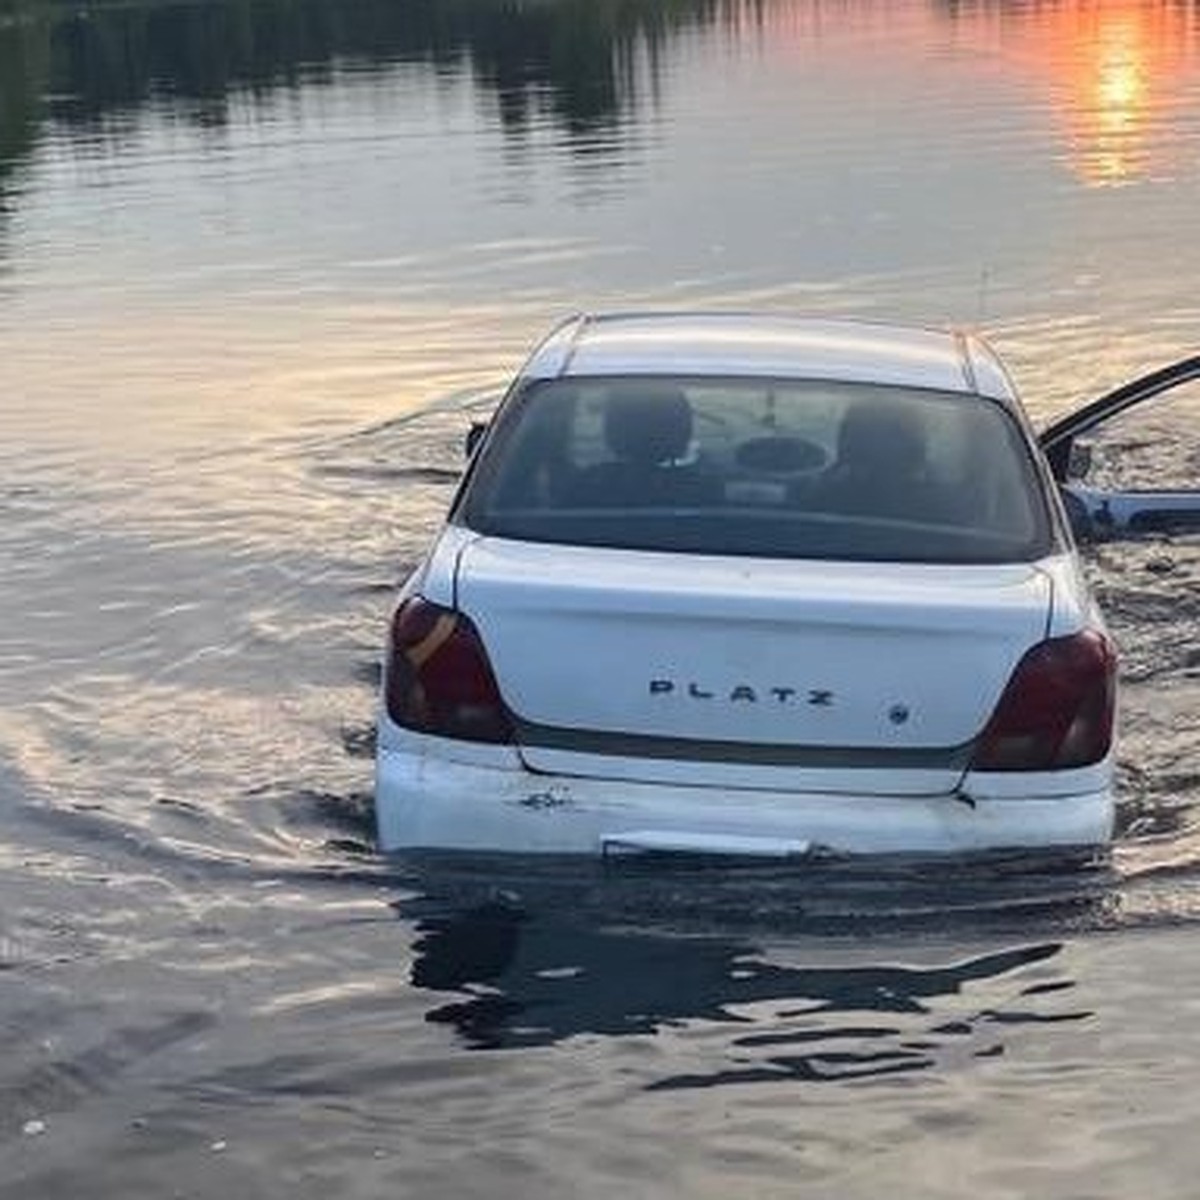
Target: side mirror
[473,438]
[1079,460]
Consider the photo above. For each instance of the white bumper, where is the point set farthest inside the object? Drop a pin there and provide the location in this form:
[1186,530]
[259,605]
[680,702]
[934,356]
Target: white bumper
[427,802]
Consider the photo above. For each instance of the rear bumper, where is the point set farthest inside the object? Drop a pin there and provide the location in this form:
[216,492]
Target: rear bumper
[422,801]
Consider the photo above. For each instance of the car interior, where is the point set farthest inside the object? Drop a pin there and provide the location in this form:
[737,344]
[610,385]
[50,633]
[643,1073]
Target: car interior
[869,468]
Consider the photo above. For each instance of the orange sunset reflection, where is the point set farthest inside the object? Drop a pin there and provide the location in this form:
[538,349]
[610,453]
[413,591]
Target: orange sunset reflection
[1112,72]
[1113,67]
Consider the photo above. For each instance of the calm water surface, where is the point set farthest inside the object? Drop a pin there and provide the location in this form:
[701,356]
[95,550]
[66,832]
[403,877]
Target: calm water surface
[259,261]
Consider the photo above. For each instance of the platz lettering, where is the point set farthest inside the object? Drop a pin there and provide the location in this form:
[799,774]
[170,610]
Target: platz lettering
[744,693]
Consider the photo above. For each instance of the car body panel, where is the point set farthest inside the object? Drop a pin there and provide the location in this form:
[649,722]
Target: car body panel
[1073,606]
[751,344]
[1109,514]
[794,669]
[436,577]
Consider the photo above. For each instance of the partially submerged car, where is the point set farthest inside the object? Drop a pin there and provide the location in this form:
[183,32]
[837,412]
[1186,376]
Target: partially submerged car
[750,585]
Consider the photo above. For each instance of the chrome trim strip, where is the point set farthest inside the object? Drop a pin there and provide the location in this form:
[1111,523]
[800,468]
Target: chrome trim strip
[582,322]
[964,355]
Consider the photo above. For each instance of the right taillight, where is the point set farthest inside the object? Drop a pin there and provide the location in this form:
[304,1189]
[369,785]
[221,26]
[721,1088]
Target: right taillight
[1057,710]
[438,677]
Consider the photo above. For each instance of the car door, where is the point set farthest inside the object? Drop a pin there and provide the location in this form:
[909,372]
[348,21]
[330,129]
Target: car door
[1129,462]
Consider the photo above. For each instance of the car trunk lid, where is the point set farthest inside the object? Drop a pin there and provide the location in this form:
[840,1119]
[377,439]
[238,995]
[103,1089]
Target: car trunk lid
[749,672]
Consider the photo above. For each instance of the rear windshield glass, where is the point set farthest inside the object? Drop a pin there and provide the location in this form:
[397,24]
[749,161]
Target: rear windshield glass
[791,469]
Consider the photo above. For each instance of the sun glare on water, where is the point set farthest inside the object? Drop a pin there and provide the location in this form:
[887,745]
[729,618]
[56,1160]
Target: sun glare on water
[1114,81]
[1114,75]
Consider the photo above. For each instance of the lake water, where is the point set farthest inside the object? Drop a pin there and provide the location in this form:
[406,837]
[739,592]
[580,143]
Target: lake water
[258,263]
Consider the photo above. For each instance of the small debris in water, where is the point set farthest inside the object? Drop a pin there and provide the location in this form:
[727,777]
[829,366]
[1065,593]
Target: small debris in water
[1160,564]
[218,1146]
[33,1128]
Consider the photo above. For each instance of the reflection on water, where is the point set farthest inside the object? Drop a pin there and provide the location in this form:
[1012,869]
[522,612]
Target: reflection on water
[573,57]
[1112,66]
[1116,70]
[24,55]
[1118,75]
[535,979]
[540,952]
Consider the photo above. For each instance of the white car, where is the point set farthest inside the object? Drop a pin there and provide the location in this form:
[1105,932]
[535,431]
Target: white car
[751,585]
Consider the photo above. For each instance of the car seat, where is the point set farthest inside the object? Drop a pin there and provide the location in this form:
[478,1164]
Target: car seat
[880,467]
[648,432]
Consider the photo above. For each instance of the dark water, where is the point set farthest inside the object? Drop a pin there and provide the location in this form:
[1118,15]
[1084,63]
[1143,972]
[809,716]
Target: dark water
[258,262]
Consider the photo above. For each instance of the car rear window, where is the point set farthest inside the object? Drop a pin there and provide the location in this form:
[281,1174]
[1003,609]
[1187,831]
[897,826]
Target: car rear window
[781,469]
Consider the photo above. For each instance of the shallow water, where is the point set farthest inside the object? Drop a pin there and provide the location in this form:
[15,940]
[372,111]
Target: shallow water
[258,264]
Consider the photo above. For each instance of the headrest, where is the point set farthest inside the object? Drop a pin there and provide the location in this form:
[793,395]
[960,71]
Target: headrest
[651,425]
[883,437]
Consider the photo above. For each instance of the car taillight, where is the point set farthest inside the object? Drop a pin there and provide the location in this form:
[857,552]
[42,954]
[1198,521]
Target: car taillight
[439,679]
[1057,710]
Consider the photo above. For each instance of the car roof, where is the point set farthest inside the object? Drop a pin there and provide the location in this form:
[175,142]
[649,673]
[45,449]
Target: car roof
[767,344]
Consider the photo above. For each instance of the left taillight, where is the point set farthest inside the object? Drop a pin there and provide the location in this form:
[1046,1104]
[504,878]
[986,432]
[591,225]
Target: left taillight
[439,679]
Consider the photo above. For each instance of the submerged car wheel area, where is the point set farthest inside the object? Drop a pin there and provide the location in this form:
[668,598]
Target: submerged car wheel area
[750,585]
